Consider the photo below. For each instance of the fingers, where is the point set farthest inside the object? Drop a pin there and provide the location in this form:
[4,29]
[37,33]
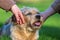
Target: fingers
[17,18]
[18,14]
[41,19]
[21,17]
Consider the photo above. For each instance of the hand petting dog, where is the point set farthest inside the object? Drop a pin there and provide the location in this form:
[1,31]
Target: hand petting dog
[18,14]
[27,31]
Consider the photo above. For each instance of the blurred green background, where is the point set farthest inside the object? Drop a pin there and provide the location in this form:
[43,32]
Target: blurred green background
[50,29]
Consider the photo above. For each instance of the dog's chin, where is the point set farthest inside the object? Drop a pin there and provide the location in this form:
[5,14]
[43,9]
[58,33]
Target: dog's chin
[36,25]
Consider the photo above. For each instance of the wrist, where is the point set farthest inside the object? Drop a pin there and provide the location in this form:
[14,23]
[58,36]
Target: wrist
[13,7]
[44,16]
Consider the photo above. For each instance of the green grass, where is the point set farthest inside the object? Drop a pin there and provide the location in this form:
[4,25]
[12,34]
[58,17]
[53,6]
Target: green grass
[50,29]
[49,33]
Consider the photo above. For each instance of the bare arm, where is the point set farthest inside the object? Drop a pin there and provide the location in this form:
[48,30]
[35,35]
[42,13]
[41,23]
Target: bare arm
[47,13]
[54,8]
[9,5]
[6,4]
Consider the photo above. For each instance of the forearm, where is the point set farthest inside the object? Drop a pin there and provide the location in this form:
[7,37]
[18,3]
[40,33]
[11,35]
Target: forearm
[6,4]
[47,13]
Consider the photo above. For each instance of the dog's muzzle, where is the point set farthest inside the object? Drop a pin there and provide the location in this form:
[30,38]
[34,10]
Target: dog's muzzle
[37,23]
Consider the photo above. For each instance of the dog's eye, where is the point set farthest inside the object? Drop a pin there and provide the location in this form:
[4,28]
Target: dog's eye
[28,14]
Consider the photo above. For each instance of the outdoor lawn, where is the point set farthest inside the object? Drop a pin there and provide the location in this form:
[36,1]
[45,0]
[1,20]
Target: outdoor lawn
[51,27]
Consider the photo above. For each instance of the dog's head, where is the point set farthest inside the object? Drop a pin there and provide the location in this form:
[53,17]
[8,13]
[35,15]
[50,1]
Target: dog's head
[32,17]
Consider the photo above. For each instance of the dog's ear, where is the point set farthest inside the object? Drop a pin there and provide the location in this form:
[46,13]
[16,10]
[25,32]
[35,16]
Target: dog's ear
[14,18]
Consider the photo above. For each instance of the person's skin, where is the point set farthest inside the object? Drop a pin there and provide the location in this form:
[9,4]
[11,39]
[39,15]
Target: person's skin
[47,13]
[18,14]
[53,9]
[10,5]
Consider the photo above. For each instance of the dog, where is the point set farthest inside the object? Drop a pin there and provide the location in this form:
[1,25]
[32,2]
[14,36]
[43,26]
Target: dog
[27,31]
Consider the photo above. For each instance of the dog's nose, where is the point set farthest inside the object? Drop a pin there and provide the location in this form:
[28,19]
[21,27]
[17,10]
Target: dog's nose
[38,16]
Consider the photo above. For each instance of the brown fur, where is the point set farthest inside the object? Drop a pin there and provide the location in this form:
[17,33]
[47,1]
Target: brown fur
[25,31]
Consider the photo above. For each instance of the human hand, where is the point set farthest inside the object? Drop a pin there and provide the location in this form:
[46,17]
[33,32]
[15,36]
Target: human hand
[44,16]
[18,14]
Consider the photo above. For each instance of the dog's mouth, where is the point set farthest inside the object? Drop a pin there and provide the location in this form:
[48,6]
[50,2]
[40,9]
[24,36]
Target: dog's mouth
[37,23]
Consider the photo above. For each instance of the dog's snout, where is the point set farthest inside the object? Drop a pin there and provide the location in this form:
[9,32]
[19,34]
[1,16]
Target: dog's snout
[38,16]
